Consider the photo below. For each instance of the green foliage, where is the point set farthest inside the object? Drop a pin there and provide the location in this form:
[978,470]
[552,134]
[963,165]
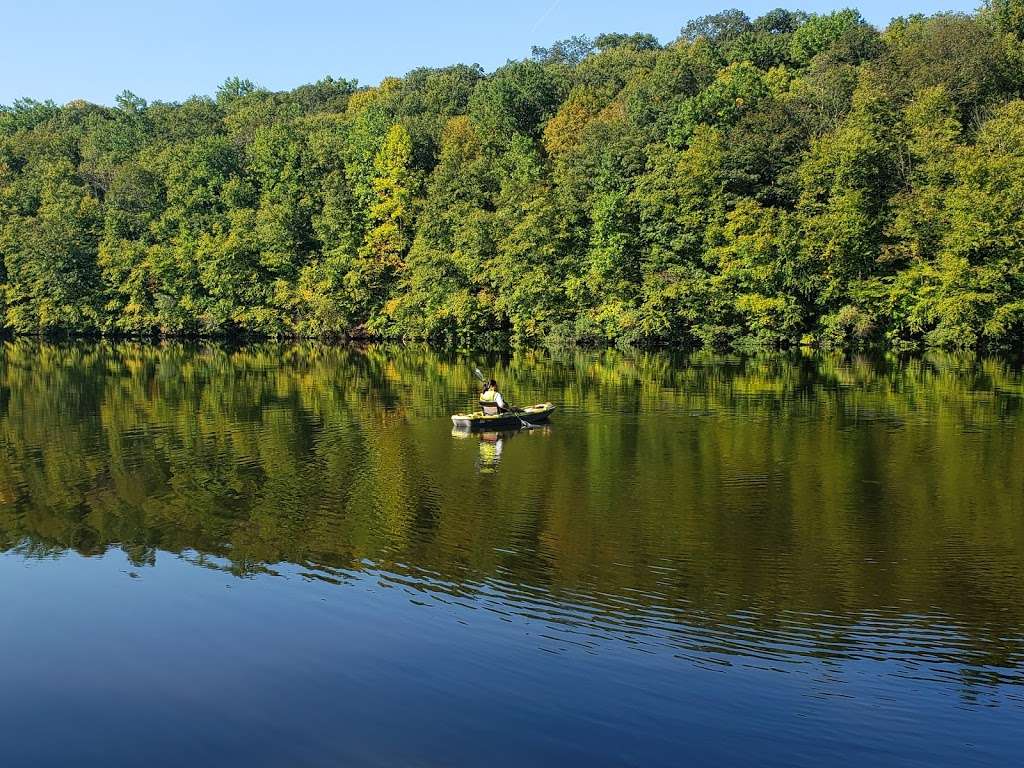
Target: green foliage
[789,179]
[962,53]
[639,41]
[49,258]
[737,90]
[382,255]
[1009,15]
[516,100]
[756,289]
[819,33]
[717,27]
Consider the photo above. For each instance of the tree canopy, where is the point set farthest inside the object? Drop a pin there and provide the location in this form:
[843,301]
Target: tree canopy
[794,178]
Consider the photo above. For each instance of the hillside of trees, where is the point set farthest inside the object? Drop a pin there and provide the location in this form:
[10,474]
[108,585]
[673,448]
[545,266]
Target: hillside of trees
[791,179]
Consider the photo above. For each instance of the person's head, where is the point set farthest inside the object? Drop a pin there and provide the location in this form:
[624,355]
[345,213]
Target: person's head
[492,384]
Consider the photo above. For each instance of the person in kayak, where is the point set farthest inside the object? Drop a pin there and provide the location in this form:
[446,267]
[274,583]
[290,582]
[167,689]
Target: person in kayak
[491,400]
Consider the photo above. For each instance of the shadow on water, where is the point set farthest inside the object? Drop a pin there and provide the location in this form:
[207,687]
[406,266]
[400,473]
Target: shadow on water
[781,509]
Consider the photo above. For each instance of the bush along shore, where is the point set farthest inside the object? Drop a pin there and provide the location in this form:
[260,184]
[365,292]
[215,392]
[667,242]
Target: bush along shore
[790,179]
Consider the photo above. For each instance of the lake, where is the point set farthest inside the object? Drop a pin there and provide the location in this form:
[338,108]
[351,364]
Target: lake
[281,554]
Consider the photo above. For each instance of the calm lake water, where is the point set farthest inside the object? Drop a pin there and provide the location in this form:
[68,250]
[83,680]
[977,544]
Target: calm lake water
[282,555]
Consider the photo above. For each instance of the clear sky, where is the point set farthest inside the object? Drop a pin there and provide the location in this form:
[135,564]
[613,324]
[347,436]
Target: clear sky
[94,49]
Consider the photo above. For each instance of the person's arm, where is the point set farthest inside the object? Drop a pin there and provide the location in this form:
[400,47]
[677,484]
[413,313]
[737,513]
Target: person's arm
[500,402]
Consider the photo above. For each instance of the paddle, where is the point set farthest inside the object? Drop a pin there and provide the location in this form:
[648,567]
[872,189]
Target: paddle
[524,422]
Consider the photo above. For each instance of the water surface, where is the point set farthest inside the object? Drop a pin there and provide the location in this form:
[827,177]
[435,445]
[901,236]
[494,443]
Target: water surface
[282,555]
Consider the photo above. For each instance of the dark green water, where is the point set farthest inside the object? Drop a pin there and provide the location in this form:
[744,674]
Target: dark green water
[281,555]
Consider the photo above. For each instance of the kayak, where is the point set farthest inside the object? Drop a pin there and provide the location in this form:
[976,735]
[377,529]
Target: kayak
[534,414]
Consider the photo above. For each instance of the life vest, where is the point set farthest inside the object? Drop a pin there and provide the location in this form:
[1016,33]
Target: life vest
[489,397]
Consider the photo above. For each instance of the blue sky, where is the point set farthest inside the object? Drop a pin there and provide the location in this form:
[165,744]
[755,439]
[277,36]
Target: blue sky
[93,50]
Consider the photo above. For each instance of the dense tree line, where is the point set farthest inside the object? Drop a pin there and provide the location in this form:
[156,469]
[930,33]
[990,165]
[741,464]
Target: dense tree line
[790,179]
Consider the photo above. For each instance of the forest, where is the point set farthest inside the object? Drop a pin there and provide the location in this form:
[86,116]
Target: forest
[794,179]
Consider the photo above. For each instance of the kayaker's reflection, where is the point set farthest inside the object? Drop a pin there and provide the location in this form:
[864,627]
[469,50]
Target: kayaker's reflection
[491,443]
[490,451]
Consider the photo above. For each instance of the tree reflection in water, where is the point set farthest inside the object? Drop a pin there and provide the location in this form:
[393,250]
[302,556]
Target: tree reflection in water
[787,505]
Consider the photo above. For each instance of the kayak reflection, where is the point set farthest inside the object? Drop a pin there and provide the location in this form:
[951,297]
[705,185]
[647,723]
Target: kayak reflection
[492,443]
